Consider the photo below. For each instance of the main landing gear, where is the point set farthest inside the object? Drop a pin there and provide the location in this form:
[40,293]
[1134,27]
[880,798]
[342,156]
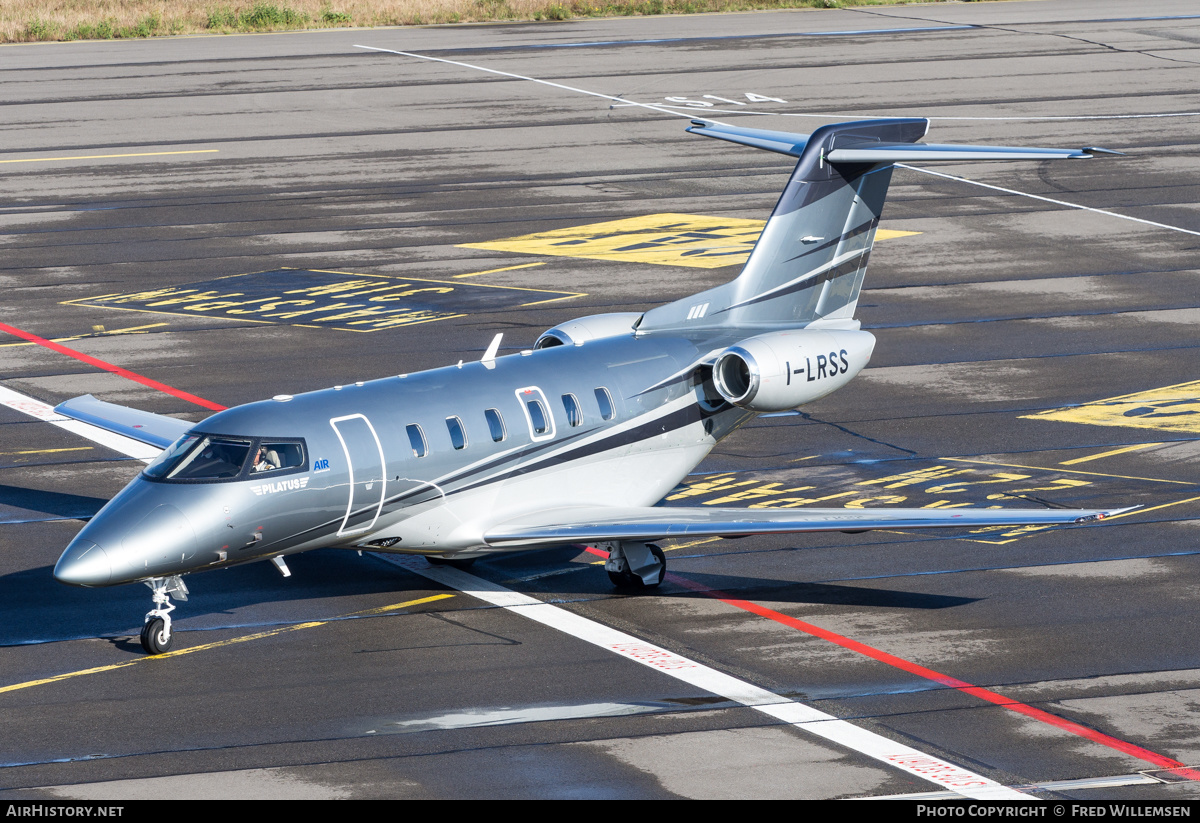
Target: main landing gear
[156,631]
[633,565]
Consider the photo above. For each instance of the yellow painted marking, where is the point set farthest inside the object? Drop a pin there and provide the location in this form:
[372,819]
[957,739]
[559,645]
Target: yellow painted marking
[98,332]
[1070,471]
[376,301]
[415,280]
[493,271]
[667,239]
[394,607]
[108,156]
[1153,508]
[52,451]
[1172,408]
[1023,530]
[1123,450]
[215,645]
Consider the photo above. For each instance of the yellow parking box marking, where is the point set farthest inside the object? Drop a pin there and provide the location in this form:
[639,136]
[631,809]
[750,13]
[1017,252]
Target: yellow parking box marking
[1068,471]
[1172,408]
[215,645]
[493,271]
[97,331]
[668,239]
[1154,508]
[50,451]
[1122,450]
[329,299]
[108,156]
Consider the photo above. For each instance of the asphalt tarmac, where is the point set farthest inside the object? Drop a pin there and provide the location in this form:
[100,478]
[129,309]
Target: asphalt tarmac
[200,211]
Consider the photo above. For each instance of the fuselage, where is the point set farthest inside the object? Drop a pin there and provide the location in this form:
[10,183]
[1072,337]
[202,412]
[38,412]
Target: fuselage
[423,462]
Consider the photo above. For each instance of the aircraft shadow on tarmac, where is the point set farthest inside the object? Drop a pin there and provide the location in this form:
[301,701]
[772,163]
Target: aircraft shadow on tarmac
[19,504]
[748,588]
[42,610]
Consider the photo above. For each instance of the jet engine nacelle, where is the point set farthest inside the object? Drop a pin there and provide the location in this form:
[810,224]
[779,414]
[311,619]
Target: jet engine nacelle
[592,327]
[785,369]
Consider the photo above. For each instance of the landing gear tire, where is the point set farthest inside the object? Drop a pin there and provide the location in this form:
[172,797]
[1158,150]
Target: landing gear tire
[452,562]
[626,579]
[155,639]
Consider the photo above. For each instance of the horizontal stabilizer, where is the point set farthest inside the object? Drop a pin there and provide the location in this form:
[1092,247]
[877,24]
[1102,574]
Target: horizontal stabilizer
[926,152]
[145,427]
[653,523]
[849,150]
[777,141]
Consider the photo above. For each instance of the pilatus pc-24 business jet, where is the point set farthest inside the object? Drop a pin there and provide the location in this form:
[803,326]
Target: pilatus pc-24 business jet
[575,440]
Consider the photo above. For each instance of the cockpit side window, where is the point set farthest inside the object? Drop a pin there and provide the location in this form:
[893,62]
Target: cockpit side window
[276,456]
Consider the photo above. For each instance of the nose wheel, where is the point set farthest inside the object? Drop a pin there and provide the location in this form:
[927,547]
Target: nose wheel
[156,636]
[156,630]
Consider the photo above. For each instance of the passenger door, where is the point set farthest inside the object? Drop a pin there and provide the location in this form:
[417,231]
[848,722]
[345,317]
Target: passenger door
[365,463]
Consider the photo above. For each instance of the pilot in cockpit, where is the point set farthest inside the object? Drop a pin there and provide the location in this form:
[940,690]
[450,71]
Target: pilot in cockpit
[265,460]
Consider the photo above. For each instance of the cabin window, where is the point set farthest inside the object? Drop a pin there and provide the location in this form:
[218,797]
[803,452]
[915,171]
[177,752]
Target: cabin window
[458,437]
[495,424]
[537,413]
[416,439]
[604,401]
[574,413]
[537,416]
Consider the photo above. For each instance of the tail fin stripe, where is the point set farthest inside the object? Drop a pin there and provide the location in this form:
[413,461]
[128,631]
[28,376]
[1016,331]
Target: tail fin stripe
[847,263]
[854,232]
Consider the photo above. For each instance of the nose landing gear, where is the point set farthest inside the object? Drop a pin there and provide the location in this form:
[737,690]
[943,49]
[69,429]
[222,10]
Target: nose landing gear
[156,630]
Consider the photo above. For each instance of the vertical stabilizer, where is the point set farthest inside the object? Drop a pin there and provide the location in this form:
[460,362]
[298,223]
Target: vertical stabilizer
[809,261]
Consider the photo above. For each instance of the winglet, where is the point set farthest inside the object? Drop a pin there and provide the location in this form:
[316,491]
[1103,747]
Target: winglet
[1108,515]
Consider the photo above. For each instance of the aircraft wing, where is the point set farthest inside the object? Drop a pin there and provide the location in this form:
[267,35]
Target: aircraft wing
[601,523]
[145,427]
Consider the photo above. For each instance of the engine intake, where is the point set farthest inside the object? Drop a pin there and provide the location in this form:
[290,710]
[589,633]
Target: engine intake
[592,327]
[785,369]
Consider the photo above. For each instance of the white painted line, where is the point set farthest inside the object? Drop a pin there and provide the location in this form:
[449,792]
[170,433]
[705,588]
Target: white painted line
[480,718]
[1045,199]
[916,763]
[117,442]
[620,100]
[683,111]
[857,116]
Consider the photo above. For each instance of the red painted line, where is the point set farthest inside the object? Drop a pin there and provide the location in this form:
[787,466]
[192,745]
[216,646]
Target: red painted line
[117,370]
[1174,766]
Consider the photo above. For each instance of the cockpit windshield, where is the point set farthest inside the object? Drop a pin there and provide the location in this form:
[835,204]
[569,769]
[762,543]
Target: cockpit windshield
[196,457]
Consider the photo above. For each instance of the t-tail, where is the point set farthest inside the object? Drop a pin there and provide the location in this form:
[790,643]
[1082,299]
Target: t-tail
[808,265]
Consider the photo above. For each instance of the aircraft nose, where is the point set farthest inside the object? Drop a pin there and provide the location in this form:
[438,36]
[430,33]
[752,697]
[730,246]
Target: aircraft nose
[84,563]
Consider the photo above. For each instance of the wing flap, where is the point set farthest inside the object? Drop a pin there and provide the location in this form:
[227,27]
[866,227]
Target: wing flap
[145,427]
[570,525]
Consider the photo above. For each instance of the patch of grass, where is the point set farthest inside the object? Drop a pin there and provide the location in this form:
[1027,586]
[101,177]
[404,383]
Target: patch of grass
[38,29]
[260,17]
[33,20]
[337,18]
